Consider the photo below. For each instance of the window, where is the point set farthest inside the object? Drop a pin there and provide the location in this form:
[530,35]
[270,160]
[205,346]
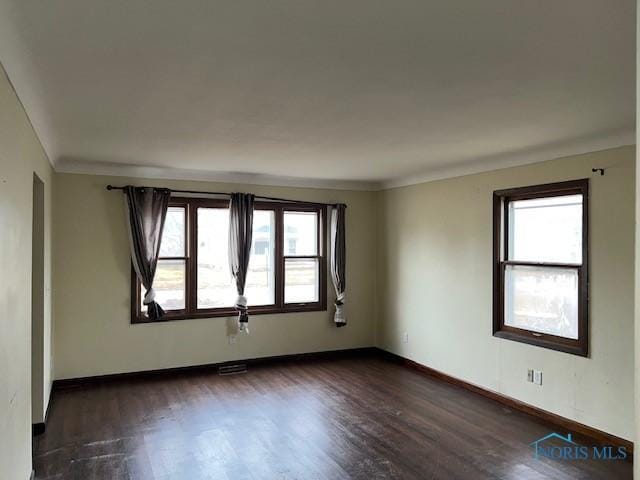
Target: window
[541,250]
[302,257]
[286,268]
[171,272]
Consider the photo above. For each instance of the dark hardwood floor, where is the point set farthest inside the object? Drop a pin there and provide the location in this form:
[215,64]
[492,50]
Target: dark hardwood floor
[355,418]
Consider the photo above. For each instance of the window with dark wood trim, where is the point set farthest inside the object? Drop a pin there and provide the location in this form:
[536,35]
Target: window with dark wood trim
[287,270]
[540,265]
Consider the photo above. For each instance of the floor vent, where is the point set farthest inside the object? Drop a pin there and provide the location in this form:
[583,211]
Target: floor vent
[232,369]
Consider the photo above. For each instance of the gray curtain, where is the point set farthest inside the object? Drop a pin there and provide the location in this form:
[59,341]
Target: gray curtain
[146,210]
[338,261]
[240,233]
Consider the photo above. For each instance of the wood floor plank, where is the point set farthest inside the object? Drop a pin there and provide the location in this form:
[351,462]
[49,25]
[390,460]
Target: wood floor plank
[353,418]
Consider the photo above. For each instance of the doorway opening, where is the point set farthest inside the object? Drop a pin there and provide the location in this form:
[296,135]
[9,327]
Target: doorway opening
[37,307]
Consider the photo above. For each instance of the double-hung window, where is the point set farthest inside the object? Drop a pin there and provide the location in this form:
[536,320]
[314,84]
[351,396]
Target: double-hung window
[287,266]
[541,250]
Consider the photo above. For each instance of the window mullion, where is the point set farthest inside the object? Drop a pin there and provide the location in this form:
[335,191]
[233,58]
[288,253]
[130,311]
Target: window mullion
[279,257]
[192,236]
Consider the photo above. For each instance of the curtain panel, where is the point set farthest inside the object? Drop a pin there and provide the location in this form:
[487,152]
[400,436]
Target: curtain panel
[338,261]
[240,236]
[146,211]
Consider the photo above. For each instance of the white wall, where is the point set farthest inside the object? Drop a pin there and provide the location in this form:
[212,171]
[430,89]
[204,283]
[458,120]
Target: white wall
[93,333]
[20,156]
[435,282]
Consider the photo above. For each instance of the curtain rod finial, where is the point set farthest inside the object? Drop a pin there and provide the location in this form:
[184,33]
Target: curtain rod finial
[109,187]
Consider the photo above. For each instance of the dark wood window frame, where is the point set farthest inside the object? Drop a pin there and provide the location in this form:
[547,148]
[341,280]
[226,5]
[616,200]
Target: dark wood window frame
[191,262]
[501,200]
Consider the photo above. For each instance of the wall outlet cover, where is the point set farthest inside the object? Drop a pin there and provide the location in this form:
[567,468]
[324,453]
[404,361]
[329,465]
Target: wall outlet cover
[537,377]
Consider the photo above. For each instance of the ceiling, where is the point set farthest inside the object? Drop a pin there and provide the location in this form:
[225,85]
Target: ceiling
[351,92]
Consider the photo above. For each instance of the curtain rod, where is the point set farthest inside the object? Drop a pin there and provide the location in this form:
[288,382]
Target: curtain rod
[196,192]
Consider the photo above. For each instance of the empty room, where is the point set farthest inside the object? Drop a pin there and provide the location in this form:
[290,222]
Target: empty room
[301,239]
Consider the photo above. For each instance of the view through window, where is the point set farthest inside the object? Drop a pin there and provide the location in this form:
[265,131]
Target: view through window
[286,267]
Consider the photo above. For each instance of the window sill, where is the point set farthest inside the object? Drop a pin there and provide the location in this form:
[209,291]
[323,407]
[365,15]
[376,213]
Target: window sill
[552,342]
[293,308]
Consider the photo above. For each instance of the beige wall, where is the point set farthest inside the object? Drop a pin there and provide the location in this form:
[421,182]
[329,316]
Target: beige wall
[434,282]
[92,273]
[636,464]
[20,156]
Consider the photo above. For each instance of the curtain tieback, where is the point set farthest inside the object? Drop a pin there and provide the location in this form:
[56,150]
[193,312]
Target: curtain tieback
[149,297]
[339,317]
[241,306]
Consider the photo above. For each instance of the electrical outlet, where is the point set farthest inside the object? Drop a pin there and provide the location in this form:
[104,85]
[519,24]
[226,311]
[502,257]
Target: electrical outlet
[405,337]
[232,339]
[530,375]
[537,377]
